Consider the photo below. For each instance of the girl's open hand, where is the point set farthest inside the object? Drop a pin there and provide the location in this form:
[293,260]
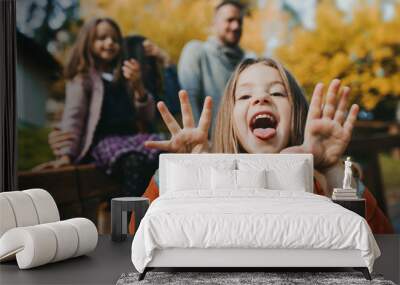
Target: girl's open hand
[328,131]
[131,71]
[189,139]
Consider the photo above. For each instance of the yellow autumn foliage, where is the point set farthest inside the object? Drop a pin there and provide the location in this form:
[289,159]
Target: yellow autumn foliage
[364,52]
[171,23]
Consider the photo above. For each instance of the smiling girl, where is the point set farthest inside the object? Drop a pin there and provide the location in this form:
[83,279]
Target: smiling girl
[105,102]
[264,110]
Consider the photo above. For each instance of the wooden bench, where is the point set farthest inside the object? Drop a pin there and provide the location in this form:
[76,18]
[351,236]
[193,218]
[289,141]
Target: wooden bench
[78,190]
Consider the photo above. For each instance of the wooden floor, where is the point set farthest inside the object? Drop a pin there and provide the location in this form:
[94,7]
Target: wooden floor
[110,259]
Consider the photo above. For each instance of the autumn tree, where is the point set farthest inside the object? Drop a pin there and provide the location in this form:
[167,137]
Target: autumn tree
[363,51]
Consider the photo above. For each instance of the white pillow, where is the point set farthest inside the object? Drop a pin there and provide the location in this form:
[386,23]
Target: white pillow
[292,180]
[186,175]
[282,174]
[223,179]
[251,178]
[183,177]
[228,179]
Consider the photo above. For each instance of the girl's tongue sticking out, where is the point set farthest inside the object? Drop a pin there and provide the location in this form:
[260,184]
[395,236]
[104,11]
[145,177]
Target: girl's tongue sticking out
[264,134]
[264,126]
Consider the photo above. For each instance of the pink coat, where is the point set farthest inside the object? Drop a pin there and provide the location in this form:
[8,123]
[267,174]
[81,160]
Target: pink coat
[84,98]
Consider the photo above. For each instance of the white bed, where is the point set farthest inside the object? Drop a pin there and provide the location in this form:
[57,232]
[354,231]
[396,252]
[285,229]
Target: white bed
[201,219]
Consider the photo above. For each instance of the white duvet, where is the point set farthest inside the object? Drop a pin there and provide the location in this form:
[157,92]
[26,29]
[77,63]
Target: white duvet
[253,218]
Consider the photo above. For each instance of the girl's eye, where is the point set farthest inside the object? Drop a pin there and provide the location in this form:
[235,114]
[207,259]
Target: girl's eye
[244,97]
[279,94]
[105,37]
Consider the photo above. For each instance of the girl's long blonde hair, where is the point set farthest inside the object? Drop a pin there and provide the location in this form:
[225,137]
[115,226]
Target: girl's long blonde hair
[224,138]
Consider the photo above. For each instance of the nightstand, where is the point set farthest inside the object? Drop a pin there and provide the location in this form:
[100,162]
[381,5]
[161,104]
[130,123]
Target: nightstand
[357,206]
[120,207]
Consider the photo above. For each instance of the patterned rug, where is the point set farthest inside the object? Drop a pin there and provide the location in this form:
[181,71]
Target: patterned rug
[225,278]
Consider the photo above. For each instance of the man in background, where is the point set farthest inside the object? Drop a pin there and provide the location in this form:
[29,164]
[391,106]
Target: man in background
[204,68]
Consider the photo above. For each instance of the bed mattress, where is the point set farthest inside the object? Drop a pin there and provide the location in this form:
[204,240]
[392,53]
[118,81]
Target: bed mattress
[250,219]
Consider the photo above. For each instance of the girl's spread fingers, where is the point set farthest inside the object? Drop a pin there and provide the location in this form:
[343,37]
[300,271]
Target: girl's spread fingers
[339,116]
[161,145]
[341,110]
[169,120]
[206,114]
[322,127]
[351,119]
[315,106]
[330,105]
[188,137]
[187,114]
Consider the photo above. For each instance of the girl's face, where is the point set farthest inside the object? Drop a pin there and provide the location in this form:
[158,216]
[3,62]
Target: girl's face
[105,46]
[262,111]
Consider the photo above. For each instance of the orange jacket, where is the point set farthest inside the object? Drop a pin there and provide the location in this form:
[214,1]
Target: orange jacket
[376,219]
